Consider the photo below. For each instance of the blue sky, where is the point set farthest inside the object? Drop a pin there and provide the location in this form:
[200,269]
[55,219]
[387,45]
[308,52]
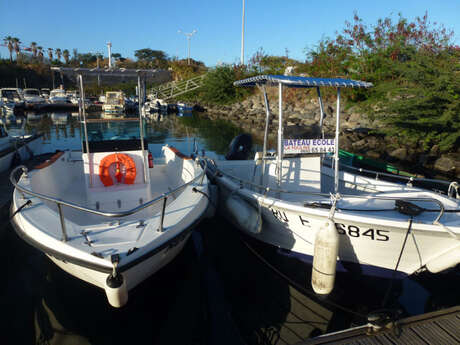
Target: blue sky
[129,25]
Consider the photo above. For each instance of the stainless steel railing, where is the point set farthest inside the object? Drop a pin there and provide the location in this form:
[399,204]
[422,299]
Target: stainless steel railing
[267,189]
[59,203]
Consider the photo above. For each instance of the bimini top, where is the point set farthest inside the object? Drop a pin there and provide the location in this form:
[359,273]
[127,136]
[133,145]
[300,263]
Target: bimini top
[294,81]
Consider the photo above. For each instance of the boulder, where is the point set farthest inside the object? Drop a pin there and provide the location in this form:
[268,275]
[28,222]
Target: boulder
[447,165]
[400,154]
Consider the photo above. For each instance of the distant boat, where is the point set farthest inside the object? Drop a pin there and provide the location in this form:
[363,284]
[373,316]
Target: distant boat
[58,96]
[32,98]
[15,144]
[184,108]
[114,102]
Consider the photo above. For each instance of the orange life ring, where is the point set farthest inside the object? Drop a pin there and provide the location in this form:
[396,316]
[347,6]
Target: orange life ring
[118,159]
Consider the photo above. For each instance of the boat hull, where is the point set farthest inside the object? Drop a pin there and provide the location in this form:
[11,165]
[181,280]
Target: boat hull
[369,248]
[133,275]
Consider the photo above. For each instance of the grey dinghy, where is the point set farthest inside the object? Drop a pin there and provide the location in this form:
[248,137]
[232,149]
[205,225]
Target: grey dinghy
[299,200]
[106,214]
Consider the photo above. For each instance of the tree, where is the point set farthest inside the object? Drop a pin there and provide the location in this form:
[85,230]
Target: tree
[40,53]
[33,46]
[9,43]
[50,54]
[152,58]
[17,49]
[66,55]
[59,54]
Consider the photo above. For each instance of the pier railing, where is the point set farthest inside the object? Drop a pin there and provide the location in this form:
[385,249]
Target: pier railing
[59,203]
[176,88]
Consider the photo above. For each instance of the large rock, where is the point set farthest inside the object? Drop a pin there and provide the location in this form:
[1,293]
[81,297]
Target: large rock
[447,165]
[400,154]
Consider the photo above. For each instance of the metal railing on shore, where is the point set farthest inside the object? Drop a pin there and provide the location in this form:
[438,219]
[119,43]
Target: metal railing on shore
[121,214]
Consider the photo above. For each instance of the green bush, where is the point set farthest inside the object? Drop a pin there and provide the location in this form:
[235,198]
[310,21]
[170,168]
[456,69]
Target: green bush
[218,85]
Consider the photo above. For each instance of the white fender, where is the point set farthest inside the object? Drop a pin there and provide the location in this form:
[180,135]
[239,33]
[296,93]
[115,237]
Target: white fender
[325,258]
[244,214]
[116,290]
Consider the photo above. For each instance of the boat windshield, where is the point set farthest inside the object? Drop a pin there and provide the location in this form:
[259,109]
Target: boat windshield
[111,135]
[31,92]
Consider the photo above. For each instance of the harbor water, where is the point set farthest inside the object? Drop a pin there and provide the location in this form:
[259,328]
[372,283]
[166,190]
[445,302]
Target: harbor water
[223,288]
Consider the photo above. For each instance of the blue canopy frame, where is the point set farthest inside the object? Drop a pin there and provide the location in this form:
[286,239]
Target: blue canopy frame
[300,82]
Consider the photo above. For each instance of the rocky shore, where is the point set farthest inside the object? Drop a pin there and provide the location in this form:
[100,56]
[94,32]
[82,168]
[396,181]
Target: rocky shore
[358,135]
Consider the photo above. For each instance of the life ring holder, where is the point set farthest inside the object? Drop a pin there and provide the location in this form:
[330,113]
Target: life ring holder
[118,159]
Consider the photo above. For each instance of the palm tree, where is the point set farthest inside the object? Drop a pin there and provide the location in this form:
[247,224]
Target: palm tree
[33,46]
[9,42]
[50,54]
[16,47]
[59,54]
[40,53]
[66,55]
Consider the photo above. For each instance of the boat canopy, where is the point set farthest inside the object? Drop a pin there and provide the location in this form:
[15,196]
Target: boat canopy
[295,81]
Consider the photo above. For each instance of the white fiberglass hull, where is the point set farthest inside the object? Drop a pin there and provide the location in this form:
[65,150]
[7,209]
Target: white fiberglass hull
[133,275]
[142,242]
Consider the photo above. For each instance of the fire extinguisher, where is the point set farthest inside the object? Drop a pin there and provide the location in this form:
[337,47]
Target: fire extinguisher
[150,160]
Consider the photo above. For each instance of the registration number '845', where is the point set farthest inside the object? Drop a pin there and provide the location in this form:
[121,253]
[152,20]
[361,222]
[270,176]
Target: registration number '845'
[354,231]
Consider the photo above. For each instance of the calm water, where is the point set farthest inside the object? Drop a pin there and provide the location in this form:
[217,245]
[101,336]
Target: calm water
[219,293]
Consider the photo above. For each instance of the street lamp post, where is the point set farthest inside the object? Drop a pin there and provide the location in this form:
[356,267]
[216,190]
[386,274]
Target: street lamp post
[242,37]
[109,48]
[189,36]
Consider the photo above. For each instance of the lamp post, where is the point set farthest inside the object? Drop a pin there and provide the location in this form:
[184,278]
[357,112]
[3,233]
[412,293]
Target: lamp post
[109,48]
[189,36]
[242,37]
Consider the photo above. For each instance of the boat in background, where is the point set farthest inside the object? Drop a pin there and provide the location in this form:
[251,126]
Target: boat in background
[11,99]
[17,146]
[114,102]
[107,214]
[300,200]
[58,96]
[32,98]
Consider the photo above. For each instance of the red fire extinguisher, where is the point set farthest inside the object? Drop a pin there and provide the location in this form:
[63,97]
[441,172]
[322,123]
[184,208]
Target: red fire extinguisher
[150,160]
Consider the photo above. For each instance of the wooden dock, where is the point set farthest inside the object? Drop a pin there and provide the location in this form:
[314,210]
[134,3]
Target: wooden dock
[439,327]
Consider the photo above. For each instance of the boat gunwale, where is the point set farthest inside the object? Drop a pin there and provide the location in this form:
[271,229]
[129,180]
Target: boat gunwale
[97,212]
[260,196]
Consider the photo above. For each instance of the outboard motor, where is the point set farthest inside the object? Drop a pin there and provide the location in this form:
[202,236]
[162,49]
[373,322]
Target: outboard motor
[239,148]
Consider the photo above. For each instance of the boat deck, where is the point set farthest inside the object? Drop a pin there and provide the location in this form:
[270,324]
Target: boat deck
[439,327]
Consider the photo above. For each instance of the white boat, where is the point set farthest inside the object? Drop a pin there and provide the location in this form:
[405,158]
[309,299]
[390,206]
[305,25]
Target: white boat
[32,97]
[114,102]
[58,96]
[108,215]
[293,197]
[16,146]
[11,98]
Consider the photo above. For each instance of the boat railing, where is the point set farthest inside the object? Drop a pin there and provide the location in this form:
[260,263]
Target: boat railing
[59,203]
[450,185]
[266,189]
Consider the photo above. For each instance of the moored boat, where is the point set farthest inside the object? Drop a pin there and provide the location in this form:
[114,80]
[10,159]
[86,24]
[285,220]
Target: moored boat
[107,214]
[300,200]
